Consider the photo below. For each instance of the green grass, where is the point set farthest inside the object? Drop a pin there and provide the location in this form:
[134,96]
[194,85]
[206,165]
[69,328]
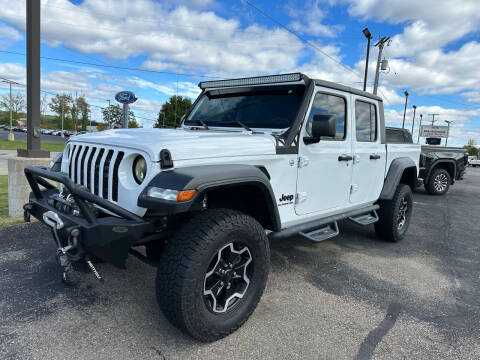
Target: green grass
[22,144]
[4,219]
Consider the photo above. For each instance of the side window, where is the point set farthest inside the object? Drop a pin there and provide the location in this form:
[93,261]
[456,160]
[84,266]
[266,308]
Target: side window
[329,104]
[366,121]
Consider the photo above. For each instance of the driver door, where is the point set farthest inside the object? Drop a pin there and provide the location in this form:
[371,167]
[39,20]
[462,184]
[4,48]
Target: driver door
[325,168]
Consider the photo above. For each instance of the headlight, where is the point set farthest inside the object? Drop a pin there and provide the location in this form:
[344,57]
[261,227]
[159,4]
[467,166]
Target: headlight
[56,163]
[171,195]
[139,169]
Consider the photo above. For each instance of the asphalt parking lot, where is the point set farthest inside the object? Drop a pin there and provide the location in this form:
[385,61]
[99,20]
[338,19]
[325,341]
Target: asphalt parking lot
[352,297]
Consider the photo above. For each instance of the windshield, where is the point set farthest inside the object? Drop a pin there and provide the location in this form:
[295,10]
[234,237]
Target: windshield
[272,108]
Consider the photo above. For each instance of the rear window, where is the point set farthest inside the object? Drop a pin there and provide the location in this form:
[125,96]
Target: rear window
[398,136]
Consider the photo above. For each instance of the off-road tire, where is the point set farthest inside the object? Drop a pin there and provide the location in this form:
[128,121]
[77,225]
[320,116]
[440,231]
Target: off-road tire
[387,227]
[438,175]
[184,264]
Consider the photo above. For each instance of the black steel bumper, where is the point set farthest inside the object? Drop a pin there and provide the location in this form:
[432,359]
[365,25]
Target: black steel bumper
[108,237]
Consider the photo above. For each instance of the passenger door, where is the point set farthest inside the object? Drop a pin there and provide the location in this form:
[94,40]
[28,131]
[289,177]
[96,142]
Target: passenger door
[369,153]
[325,168]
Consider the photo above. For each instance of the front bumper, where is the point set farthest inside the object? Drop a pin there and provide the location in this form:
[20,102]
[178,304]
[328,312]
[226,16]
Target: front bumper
[107,237]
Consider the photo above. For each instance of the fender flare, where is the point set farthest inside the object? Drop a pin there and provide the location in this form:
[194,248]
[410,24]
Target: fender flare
[203,179]
[442,161]
[394,175]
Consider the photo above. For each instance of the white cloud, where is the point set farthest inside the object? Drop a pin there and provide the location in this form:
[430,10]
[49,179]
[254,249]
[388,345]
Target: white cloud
[472,96]
[308,20]
[435,71]
[179,38]
[12,71]
[432,24]
[8,36]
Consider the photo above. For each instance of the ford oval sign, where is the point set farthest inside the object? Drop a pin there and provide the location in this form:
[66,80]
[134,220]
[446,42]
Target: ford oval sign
[126,97]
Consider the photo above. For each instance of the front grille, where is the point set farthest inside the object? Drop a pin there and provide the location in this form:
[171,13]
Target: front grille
[95,168]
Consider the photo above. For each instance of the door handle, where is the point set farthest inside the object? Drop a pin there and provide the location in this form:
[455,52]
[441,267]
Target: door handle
[345,158]
[374,157]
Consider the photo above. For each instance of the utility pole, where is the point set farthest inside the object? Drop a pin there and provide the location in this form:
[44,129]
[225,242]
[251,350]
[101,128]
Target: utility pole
[11,137]
[419,129]
[381,43]
[405,109]
[448,131]
[368,35]
[33,83]
[413,121]
[433,117]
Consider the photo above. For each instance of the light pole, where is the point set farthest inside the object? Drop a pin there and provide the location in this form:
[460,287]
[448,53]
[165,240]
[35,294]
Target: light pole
[448,131]
[405,109]
[419,128]
[413,121]
[11,137]
[368,35]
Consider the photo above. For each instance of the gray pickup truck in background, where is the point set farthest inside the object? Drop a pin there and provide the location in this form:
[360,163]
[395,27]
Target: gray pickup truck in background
[440,166]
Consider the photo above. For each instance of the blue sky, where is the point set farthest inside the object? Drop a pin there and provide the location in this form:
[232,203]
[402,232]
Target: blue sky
[434,52]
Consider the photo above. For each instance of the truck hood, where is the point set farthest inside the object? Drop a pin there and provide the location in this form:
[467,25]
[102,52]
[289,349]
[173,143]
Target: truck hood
[184,144]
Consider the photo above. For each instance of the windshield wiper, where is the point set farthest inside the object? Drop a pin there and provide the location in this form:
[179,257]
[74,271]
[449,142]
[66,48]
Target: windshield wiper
[235,122]
[201,122]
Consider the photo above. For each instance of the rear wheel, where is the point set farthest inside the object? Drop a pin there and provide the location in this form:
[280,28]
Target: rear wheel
[212,273]
[394,215]
[439,182]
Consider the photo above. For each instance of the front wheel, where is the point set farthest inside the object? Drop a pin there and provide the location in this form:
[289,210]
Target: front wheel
[394,215]
[212,273]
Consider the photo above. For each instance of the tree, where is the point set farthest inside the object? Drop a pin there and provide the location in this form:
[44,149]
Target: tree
[133,124]
[172,111]
[113,114]
[472,148]
[18,103]
[56,106]
[83,109]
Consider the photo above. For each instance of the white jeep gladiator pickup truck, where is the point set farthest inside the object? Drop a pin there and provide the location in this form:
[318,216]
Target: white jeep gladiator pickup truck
[255,159]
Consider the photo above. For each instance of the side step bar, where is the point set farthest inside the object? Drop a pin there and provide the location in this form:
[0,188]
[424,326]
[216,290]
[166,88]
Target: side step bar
[365,219]
[320,224]
[322,234]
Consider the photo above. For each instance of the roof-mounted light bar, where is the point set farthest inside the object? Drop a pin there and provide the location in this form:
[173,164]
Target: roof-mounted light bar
[257,80]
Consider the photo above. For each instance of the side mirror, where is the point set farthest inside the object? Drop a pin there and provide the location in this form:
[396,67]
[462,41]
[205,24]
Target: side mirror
[322,125]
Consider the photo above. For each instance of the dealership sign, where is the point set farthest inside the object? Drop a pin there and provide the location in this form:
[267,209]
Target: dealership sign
[434,131]
[126,97]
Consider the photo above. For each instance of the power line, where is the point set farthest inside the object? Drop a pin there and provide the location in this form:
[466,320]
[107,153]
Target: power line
[309,43]
[115,66]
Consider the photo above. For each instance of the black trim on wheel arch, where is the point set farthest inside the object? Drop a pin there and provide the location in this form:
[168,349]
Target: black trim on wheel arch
[394,175]
[206,178]
[434,164]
